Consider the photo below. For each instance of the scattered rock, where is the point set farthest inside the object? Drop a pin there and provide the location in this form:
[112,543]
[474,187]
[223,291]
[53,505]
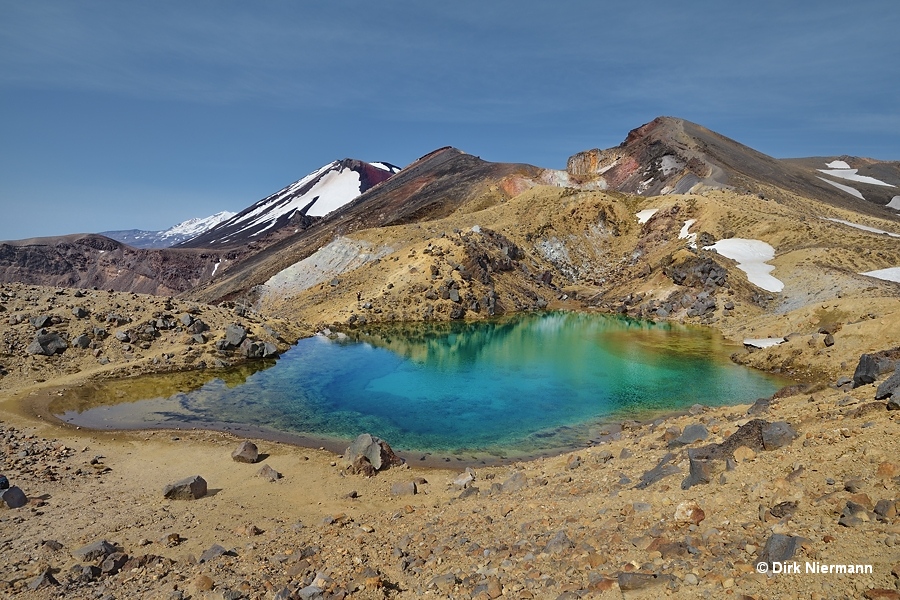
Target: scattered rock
[373,450]
[689,512]
[214,551]
[190,488]
[664,468]
[559,543]
[268,473]
[637,581]
[234,335]
[96,551]
[777,435]
[404,488]
[246,452]
[890,387]
[779,548]
[47,344]
[44,580]
[870,367]
[696,432]
[13,497]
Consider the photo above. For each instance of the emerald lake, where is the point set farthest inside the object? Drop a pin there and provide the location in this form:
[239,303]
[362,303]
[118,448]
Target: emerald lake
[522,385]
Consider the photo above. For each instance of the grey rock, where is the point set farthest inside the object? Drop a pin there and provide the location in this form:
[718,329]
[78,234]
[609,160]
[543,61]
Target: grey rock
[779,548]
[268,473]
[869,368]
[197,326]
[82,341]
[212,552]
[44,580]
[99,550]
[404,488]
[311,592]
[246,452]
[842,381]
[190,488]
[235,334]
[41,321]
[515,482]
[186,319]
[375,451]
[777,435]
[79,312]
[559,543]
[113,563]
[445,582]
[454,295]
[663,468]
[890,386]
[47,344]
[761,406]
[13,497]
[701,471]
[123,336]
[695,432]
[637,581]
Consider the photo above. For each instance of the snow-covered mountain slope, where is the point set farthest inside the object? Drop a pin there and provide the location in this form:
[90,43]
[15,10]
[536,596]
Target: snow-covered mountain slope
[139,238]
[319,193]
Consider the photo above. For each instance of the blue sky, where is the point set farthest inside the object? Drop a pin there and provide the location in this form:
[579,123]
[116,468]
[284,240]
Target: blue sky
[118,115]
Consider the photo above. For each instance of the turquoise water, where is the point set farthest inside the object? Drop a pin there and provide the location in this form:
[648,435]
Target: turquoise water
[528,384]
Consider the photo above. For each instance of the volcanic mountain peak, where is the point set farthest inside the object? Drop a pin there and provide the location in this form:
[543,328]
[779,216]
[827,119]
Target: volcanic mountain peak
[319,193]
[674,156]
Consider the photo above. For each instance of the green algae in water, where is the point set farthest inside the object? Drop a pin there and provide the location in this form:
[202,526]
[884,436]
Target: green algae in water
[530,383]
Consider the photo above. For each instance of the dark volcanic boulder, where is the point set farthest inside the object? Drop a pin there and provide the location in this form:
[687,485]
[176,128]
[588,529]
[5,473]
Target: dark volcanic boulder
[189,488]
[47,344]
[13,497]
[889,387]
[372,450]
[870,367]
[234,335]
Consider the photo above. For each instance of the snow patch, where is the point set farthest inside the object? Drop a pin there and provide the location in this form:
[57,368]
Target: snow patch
[215,268]
[334,190]
[846,188]
[894,203]
[862,227]
[837,164]
[890,274]
[763,342]
[751,257]
[644,215]
[684,235]
[852,175]
[194,227]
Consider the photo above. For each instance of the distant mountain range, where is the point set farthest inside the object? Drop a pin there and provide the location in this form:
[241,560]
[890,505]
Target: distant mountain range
[225,255]
[139,238]
[321,192]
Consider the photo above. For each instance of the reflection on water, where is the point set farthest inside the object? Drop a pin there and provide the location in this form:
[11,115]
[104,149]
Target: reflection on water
[528,383]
